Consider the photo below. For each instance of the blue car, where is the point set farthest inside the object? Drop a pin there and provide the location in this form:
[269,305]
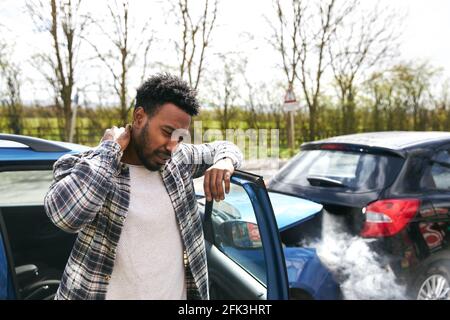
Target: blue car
[254,251]
[33,252]
[255,243]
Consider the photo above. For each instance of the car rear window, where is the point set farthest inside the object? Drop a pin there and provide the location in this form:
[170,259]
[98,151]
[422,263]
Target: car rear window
[356,171]
[24,187]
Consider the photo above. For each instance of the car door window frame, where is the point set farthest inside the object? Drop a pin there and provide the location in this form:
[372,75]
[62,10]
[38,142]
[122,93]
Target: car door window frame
[228,224]
[277,280]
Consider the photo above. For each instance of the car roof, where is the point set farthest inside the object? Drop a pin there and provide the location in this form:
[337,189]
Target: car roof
[25,148]
[393,140]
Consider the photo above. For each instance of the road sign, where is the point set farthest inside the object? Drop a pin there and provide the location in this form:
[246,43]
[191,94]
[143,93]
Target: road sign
[290,102]
[292,106]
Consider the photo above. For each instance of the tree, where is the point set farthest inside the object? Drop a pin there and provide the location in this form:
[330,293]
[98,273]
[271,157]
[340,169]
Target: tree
[441,102]
[257,99]
[381,99]
[288,47]
[129,43]
[64,23]
[414,82]
[304,50]
[289,50]
[223,89]
[363,40]
[401,96]
[11,76]
[271,103]
[195,38]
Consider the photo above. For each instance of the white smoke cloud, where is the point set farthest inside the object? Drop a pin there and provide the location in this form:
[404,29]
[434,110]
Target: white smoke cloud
[358,269]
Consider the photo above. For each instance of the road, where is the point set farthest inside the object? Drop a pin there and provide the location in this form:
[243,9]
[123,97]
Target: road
[265,168]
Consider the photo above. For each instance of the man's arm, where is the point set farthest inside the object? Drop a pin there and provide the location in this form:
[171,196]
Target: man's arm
[217,162]
[81,183]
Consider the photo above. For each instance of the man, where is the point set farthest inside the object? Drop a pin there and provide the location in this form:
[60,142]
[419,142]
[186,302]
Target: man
[132,202]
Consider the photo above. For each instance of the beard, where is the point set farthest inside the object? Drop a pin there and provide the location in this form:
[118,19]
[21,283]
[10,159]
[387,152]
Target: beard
[139,145]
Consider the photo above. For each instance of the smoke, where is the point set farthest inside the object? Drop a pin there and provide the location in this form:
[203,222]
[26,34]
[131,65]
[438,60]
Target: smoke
[360,271]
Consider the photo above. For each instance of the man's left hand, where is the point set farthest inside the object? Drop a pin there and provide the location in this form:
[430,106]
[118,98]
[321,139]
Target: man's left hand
[215,177]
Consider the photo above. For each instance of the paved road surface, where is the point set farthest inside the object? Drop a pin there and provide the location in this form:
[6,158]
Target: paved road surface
[264,168]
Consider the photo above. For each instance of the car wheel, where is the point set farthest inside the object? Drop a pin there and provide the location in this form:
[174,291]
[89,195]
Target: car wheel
[434,284]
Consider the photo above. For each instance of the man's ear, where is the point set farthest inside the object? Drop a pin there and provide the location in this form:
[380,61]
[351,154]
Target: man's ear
[139,117]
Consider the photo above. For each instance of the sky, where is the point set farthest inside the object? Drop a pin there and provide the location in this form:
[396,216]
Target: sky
[427,28]
[425,31]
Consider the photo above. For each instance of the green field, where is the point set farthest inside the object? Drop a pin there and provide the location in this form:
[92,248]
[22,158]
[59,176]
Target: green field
[89,131]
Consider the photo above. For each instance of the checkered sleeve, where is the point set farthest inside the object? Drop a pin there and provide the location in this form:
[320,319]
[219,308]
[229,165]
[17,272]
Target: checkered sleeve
[80,186]
[202,156]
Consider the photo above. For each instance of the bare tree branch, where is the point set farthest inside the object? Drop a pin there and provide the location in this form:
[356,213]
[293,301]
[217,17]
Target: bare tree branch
[366,39]
[126,50]
[64,23]
[310,28]
[195,38]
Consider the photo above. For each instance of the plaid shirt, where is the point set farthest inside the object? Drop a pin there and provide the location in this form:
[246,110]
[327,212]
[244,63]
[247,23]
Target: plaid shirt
[90,195]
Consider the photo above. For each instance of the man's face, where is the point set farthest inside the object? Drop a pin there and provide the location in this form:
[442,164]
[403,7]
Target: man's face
[152,136]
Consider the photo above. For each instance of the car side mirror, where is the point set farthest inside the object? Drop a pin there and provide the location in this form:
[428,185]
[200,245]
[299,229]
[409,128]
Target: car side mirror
[241,234]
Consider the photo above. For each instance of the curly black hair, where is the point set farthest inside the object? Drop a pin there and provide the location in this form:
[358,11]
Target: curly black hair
[165,88]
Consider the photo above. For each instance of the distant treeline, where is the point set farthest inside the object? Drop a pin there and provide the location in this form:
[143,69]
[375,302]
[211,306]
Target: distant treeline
[387,114]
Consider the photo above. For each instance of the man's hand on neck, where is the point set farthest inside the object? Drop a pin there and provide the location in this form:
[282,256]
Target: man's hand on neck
[123,137]
[120,135]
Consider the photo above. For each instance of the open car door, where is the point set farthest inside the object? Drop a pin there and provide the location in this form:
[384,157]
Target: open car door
[245,255]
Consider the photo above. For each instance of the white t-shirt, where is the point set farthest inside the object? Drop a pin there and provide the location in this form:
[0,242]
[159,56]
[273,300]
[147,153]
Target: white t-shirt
[149,261]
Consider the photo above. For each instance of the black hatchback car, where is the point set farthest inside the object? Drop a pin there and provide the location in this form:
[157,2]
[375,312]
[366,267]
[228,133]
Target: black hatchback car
[390,186]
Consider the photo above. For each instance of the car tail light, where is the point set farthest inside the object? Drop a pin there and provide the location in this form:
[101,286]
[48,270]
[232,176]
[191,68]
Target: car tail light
[332,146]
[388,217]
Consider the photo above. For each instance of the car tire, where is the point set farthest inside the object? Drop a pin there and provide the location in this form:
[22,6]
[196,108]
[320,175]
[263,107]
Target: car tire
[434,282]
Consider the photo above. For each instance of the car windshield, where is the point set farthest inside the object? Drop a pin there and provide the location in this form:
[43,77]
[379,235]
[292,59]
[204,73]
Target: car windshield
[341,170]
[24,187]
